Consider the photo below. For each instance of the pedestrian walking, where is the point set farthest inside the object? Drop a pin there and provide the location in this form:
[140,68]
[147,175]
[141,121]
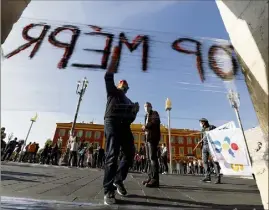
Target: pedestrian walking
[206,152]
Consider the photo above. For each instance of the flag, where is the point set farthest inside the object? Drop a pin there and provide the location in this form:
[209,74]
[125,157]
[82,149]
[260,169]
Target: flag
[34,118]
[228,125]
[229,149]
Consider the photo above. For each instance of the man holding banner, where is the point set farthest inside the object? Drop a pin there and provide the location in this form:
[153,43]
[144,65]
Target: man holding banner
[206,152]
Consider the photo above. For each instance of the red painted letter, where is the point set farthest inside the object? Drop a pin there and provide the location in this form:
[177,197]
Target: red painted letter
[37,41]
[133,46]
[106,51]
[69,47]
[199,60]
[213,64]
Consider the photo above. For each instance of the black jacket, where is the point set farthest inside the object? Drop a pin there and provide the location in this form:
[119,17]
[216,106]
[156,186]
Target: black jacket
[118,105]
[153,127]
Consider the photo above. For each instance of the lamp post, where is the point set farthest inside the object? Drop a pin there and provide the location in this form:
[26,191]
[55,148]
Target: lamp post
[33,119]
[168,107]
[234,100]
[81,89]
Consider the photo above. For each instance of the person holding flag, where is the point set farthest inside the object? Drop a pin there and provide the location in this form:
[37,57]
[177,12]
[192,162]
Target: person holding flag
[206,152]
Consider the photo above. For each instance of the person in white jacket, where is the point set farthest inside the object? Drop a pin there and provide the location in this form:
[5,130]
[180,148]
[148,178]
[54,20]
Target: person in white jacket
[73,145]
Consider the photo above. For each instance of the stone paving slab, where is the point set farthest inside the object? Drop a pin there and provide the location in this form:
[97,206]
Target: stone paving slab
[72,188]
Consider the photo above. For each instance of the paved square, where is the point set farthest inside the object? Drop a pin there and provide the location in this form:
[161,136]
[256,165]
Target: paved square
[40,187]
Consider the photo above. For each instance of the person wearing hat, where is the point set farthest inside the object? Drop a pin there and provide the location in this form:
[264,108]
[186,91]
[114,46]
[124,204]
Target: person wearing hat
[120,113]
[206,152]
[152,139]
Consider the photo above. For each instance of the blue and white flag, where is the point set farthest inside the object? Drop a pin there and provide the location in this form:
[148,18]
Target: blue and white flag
[227,146]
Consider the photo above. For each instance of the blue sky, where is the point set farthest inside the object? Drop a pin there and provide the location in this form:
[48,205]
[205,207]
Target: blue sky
[30,86]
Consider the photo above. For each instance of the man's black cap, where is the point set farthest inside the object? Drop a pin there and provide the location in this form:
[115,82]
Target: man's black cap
[203,120]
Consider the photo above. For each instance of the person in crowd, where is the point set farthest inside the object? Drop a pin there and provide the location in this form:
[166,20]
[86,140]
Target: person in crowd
[164,158]
[159,156]
[190,169]
[49,155]
[100,155]
[10,149]
[18,150]
[200,167]
[206,152]
[137,162]
[95,158]
[54,154]
[185,167]
[3,143]
[152,135]
[142,153]
[82,153]
[73,151]
[90,156]
[120,113]
[26,153]
[195,166]
[35,152]
[31,150]
[44,155]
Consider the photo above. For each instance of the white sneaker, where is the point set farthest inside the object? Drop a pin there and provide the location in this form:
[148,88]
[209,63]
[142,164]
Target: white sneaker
[109,198]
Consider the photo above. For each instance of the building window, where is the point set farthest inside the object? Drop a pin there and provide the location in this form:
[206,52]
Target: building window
[88,134]
[196,140]
[173,150]
[80,133]
[136,137]
[62,132]
[180,140]
[97,135]
[181,151]
[198,152]
[172,139]
[189,150]
[143,137]
[189,140]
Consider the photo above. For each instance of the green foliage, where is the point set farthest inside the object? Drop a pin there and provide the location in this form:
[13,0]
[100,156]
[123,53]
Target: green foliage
[48,142]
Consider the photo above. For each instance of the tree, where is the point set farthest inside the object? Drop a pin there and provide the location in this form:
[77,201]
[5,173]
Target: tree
[48,142]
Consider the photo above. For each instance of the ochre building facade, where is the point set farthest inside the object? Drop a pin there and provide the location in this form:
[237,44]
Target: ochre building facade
[183,140]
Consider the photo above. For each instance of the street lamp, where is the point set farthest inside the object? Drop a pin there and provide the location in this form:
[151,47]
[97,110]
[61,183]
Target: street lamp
[168,107]
[234,100]
[81,89]
[33,119]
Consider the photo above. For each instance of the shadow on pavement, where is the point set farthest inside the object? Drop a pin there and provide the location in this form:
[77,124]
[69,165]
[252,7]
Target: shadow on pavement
[22,174]
[210,189]
[4,178]
[187,204]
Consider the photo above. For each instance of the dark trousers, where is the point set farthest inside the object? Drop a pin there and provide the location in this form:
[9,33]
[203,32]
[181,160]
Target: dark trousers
[118,135]
[151,151]
[165,165]
[205,157]
[74,158]
[81,160]
[8,154]
[54,158]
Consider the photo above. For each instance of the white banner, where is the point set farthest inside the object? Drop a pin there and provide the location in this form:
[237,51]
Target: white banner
[228,148]
[229,125]
[228,145]
[235,169]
